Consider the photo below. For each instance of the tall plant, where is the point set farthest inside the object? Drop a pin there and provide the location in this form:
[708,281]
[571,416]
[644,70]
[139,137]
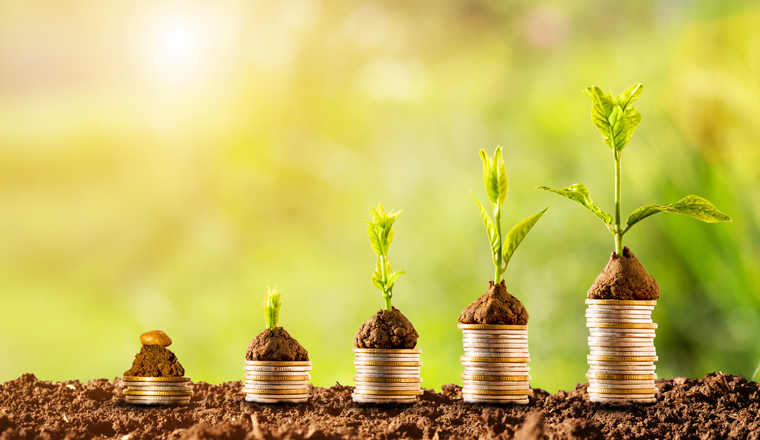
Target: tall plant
[380,231]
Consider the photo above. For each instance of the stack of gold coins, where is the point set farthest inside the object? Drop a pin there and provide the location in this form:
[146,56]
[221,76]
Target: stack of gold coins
[495,363]
[157,390]
[387,375]
[277,381]
[621,362]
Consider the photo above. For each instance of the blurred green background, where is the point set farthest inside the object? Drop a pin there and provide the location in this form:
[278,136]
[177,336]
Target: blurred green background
[161,163]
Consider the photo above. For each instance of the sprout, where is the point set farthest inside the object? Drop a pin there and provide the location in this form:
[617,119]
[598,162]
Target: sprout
[271,307]
[380,231]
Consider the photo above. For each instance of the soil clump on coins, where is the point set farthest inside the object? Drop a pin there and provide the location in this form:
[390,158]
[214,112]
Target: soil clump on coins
[386,329]
[497,306]
[624,278]
[155,361]
[275,345]
[716,406]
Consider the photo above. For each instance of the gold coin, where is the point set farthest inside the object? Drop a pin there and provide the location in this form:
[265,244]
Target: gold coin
[278,363]
[154,379]
[387,364]
[389,392]
[494,359]
[388,350]
[621,302]
[622,391]
[620,325]
[499,392]
[491,327]
[496,378]
[276,378]
[277,392]
[157,393]
[387,379]
[600,376]
[622,358]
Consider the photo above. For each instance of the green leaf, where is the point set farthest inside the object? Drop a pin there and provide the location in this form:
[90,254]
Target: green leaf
[501,172]
[490,179]
[756,376]
[377,276]
[580,194]
[380,229]
[693,206]
[392,280]
[493,234]
[617,118]
[271,308]
[517,234]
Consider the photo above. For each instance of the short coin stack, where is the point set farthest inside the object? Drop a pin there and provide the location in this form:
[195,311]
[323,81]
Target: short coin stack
[387,375]
[157,390]
[277,381]
[495,363]
[621,363]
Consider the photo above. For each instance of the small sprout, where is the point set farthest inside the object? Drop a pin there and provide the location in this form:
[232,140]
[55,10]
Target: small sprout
[271,307]
[380,231]
[497,184]
[617,119]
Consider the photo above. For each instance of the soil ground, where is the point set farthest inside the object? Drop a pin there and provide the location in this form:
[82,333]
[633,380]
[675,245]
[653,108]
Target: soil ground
[715,407]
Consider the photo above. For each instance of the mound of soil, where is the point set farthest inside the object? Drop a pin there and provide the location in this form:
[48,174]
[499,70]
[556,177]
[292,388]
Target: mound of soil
[155,361]
[624,278]
[275,345]
[386,329]
[716,407]
[496,306]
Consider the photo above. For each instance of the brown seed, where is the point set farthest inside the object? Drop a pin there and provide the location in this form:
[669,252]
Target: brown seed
[155,337]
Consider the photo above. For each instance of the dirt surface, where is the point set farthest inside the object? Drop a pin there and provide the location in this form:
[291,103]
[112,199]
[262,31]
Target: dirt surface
[496,306]
[386,329]
[716,407]
[275,345]
[155,361]
[624,278]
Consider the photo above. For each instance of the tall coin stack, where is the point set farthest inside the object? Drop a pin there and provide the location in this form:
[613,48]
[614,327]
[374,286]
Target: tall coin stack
[387,375]
[276,381]
[495,363]
[157,390]
[621,363]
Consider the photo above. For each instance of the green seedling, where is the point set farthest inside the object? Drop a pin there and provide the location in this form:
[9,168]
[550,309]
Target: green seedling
[617,119]
[380,231]
[271,307]
[497,184]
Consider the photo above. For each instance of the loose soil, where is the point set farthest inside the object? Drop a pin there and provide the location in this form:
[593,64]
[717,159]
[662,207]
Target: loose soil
[496,306]
[715,407]
[386,329]
[624,278]
[275,345]
[155,361]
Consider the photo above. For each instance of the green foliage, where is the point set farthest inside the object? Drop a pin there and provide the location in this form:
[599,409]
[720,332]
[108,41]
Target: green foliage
[380,231]
[271,307]
[617,120]
[497,185]
[756,376]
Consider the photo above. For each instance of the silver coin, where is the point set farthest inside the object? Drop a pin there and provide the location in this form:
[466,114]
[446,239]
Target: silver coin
[380,377]
[495,370]
[617,307]
[389,370]
[276,369]
[362,387]
[155,388]
[627,342]
[276,386]
[381,400]
[476,385]
[621,386]
[261,399]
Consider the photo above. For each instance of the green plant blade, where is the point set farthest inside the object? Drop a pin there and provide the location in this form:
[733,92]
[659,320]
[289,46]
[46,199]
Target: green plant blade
[392,280]
[490,179]
[580,194]
[380,229]
[271,308]
[601,110]
[693,206]
[756,376]
[501,174]
[517,234]
[377,276]
[493,234]
[617,118]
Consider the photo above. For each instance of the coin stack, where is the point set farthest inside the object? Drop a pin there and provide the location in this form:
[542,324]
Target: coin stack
[276,381]
[157,390]
[495,363]
[387,375]
[621,363]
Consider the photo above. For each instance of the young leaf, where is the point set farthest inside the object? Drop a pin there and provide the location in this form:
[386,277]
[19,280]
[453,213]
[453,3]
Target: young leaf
[580,194]
[501,172]
[377,276]
[490,179]
[271,307]
[756,376]
[517,234]
[693,206]
[392,280]
[601,111]
[493,233]
[380,229]
[617,118]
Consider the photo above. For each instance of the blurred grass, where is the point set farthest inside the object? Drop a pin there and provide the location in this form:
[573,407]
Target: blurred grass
[138,194]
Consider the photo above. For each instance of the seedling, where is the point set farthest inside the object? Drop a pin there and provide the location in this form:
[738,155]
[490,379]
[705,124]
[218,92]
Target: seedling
[271,307]
[617,119]
[497,184]
[380,231]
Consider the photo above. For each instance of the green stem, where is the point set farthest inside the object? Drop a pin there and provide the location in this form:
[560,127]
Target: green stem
[497,220]
[386,294]
[618,231]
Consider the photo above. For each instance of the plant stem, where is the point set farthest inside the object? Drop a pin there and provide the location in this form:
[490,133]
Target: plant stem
[618,231]
[497,220]
[386,294]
